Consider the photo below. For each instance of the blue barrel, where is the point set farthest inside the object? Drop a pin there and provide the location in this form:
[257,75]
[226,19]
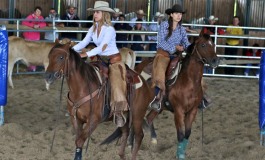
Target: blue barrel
[262,93]
[3,71]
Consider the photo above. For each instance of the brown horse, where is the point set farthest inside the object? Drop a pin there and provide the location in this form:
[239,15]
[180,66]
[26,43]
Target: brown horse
[87,97]
[185,95]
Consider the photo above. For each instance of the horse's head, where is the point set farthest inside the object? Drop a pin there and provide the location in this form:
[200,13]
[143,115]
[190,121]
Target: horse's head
[58,62]
[205,50]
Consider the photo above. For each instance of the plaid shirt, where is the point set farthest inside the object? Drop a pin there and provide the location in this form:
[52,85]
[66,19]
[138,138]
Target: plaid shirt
[178,37]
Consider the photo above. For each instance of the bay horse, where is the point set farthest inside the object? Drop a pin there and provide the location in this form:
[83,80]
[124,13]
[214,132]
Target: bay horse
[87,96]
[185,95]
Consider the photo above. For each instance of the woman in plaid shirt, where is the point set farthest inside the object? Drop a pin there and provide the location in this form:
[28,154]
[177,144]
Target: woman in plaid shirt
[172,38]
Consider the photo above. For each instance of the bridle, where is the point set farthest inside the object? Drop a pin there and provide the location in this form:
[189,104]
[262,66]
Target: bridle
[200,58]
[64,66]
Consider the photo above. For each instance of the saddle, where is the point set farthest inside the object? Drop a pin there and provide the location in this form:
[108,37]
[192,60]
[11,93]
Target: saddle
[131,76]
[172,71]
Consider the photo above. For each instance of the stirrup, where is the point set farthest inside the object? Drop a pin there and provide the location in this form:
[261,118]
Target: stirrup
[155,104]
[119,119]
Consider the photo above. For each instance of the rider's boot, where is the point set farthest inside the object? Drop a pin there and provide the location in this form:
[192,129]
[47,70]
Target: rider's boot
[156,102]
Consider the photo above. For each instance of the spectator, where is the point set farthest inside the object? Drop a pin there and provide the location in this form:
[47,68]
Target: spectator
[36,15]
[34,36]
[211,29]
[232,42]
[70,15]
[138,38]
[255,53]
[139,15]
[115,16]
[52,16]
[122,27]
[155,27]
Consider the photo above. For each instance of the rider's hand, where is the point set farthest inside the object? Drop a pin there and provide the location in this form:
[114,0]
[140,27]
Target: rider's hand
[180,48]
[83,54]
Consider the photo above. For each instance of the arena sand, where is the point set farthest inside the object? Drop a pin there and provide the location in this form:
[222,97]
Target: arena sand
[231,129]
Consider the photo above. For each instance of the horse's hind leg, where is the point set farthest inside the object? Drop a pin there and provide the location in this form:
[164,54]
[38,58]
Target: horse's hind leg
[124,137]
[139,134]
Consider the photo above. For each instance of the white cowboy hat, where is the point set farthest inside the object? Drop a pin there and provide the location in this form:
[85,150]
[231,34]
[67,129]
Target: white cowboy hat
[213,18]
[140,12]
[158,14]
[101,6]
[117,11]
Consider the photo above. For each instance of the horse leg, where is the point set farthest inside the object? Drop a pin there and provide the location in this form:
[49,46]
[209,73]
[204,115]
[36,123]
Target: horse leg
[82,137]
[189,118]
[47,85]
[152,115]
[124,137]
[179,122]
[78,129]
[131,138]
[139,134]
[151,129]
[10,71]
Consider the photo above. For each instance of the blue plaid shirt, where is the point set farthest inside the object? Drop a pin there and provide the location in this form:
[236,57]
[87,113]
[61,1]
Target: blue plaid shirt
[178,37]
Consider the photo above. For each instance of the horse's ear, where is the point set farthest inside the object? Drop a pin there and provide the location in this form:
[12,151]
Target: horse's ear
[201,33]
[57,41]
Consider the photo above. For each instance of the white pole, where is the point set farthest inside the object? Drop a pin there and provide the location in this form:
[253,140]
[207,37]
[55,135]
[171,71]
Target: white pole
[2,116]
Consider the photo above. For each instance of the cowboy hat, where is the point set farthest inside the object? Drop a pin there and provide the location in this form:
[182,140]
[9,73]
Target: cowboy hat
[213,18]
[101,6]
[158,14]
[176,8]
[117,11]
[140,12]
[71,6]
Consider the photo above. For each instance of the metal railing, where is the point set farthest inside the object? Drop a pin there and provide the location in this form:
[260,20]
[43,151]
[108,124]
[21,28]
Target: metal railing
[237,62]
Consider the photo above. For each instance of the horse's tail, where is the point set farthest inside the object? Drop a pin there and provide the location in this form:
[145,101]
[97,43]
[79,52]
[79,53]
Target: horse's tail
[116,134]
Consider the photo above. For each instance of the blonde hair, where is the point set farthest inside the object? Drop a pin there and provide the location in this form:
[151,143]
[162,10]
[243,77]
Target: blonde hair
[104,21]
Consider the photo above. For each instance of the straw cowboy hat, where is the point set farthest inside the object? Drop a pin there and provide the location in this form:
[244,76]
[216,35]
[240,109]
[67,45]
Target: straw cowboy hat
[176,8]
[158,14]
[101,6]
[141,12]
[117,11]
[213,18]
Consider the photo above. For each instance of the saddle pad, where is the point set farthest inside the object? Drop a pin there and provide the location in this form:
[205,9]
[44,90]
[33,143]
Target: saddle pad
[140,84]
[176,71]
[145,75]
[98,74]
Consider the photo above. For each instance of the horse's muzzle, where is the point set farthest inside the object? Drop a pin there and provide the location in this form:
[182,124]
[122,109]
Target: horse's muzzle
[49,77]
[214,62]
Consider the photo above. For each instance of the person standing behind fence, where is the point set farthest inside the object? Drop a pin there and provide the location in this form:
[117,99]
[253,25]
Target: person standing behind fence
[139,15]
[34,36]
[232,42]
[122,27]
[36,15]
[155,27]
[70,15]
[52,16]
[255,53]
[211,29]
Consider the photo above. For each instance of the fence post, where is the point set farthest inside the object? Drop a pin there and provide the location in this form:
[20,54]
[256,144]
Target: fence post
[3,71]
[262,99]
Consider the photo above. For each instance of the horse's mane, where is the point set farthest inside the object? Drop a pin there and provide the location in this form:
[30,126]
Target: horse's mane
[86,70]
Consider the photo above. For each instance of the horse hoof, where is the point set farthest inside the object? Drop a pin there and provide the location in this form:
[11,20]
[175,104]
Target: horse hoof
[154,141]
[130,146]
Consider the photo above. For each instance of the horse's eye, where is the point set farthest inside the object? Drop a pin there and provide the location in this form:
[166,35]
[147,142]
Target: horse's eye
[203,45]
[61,57]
